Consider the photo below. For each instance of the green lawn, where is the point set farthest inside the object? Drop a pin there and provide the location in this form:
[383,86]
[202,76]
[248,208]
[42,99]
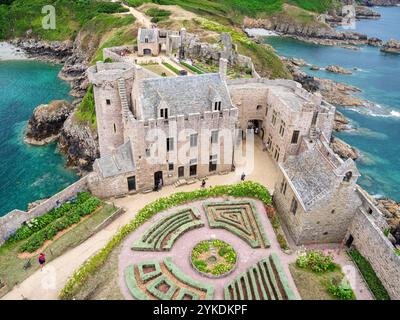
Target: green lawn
[12,271]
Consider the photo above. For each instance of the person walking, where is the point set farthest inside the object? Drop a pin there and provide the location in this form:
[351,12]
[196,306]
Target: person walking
[42,260]
[243,176]
[203,183]
[160,184]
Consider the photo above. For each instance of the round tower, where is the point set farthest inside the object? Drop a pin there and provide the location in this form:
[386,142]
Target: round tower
[112,87]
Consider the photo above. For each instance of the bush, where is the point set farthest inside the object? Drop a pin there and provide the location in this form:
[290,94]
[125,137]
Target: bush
[246,189]
[316,261]
[158,14]
[342,291]
[374,284]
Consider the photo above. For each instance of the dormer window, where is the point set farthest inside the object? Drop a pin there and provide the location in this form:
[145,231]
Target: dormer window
[146,40]
[217,106]
[164,113]
[348,176]
[108,102]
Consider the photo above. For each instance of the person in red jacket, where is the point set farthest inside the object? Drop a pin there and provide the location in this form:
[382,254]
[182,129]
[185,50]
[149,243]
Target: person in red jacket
[42,260]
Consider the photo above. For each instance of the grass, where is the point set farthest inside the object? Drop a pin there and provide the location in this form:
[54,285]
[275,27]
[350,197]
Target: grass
[86,112]
[71,16]
[373,282]
[12,271]
[158,15]
[172,68]
[313,286]
[157,69]
[190,67]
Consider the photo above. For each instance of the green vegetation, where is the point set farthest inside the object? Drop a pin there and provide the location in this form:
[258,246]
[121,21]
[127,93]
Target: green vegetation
[373,282]
[158,15]
[276,225]
[86,112]
[192,68]
[246,189]
[24,15]
[76,212]
[316,261]
[205,261]
[13,272]
[172,68]
[341,291]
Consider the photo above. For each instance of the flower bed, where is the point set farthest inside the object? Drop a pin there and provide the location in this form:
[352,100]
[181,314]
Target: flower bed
[246,189]
[214,258]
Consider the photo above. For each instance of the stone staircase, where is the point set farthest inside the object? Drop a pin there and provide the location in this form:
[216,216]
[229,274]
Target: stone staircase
[123,97]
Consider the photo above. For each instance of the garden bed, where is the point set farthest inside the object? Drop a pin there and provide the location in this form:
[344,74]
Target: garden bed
[213,258]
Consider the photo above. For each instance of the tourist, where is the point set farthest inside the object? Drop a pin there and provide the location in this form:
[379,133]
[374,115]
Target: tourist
[42,260]
[160,184]
[203,183]
[256,130]
[243,176]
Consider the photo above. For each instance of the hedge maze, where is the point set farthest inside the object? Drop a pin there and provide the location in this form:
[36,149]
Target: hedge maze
[162,235]
[264,281]
[239,217]
[153,280]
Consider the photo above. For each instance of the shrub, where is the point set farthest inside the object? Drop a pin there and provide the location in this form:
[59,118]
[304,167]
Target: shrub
[158,14]
[282,241]
[342,291]
[316,261]
[369,275]
[246,189]
[190,67]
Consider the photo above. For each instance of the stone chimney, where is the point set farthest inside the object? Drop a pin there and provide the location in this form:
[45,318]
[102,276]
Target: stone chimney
[223,68]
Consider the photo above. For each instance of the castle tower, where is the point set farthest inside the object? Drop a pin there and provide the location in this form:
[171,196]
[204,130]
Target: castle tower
[112,85]
[223,68]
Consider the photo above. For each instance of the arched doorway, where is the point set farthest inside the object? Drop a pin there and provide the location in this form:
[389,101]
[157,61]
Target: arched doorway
[147,52]
[157,177]
[257,126]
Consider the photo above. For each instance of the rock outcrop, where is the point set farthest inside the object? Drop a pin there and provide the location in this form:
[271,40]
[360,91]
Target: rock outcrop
[341,123]
[392,46]
[344,150]
[375,42]
[53,51]
[46,122]
[383,3]
[364,12]
[79,143]
[337,69]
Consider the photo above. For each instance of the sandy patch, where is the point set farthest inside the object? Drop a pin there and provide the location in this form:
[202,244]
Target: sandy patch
[10,52]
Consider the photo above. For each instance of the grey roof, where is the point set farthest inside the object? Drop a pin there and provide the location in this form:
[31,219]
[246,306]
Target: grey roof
[311,175]
[183,95]
[121,161]
[150,34]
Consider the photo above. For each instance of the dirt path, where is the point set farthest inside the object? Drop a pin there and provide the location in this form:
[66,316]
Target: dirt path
[140,17]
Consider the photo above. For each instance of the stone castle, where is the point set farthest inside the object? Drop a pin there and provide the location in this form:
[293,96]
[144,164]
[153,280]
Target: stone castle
[157,131]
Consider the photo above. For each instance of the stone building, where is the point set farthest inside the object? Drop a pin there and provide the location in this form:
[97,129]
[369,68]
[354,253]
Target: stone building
[155,41]
[154,129]
[315,195]
[282,112]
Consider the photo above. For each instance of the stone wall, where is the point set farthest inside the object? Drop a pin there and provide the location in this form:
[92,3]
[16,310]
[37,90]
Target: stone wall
[13,220]
[370,241]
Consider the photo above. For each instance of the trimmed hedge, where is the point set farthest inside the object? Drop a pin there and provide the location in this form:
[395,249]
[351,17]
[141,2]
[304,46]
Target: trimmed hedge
[190,67]
[171,67]
[369,275]
[246,189]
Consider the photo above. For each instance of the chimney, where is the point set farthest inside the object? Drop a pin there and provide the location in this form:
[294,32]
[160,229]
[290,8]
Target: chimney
[223,67]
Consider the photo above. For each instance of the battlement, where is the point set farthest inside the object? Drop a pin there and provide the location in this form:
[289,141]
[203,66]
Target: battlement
[108,72]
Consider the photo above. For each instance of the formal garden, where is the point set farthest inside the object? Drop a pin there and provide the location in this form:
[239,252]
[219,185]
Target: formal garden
[62,228]
[219,243]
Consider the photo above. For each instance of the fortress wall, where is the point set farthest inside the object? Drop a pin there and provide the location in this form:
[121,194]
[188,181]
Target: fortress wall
[370,241]
[13,220]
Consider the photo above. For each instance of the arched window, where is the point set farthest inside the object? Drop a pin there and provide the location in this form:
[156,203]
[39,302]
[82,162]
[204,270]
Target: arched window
[348,176]
[259,107]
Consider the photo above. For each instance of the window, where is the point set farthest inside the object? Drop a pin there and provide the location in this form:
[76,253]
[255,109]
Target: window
[108,102]
[147,152]
[259,107]
[214,136]
[283,187]
[193,167]
[146,40]
[295,136]
[170,144]
[266,111]
[217,106]
[193,140]
[115,128]
[282,128]
[164,113]
[269,142]
[170,166]
[131,183]
[213,163]
[277,153]
[274,115]
[181,172]
[314,118]
[293,206]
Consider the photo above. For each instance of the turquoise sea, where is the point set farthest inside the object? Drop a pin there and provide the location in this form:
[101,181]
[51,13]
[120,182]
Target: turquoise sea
[28,173]
[378,76]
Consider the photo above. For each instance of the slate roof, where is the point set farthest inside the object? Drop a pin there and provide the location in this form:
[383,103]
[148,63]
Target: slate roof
[150,34]
[120,162]
[311,175]
[183,94]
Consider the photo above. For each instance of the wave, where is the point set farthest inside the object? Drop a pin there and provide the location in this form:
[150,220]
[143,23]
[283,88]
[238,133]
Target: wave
[376,110]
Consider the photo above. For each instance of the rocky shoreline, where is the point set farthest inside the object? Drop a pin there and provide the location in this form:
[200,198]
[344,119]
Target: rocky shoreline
[55,122]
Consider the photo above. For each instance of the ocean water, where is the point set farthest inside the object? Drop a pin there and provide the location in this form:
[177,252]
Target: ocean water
[28,173]
[378,76]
